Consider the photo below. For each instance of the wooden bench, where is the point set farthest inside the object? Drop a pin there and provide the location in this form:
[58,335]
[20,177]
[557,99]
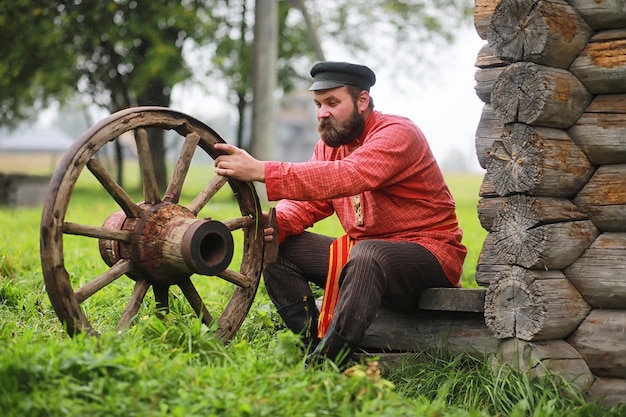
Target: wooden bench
[448,319]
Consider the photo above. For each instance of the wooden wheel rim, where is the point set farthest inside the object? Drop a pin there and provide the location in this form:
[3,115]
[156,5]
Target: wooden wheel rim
[64,298]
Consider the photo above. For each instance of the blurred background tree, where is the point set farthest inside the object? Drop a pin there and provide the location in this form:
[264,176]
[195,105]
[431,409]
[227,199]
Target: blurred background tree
[120,53]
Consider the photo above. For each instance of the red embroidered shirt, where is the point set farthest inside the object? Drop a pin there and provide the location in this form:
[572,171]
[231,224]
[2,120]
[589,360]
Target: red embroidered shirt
[384,185]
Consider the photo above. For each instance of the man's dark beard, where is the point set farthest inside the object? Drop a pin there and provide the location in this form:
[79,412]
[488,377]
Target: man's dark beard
[335,134]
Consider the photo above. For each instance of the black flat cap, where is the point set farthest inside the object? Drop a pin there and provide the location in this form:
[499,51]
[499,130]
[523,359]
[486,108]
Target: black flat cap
[330,74]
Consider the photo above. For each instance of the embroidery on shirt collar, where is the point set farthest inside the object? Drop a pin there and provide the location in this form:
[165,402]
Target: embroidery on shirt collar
[358,212]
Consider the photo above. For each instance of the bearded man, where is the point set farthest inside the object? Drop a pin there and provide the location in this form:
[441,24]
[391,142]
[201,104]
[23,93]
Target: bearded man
[376,172]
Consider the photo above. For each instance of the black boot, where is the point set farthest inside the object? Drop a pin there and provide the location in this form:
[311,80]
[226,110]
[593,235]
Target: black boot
[301,318]
[334,347]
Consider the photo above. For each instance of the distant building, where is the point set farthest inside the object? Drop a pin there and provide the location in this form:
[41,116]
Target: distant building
[296,127]
[34,149]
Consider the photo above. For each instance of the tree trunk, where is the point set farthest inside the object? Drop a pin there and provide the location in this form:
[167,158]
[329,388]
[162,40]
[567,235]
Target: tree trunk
[601,340]
[601,130]
[599,274]
[264,83]
[536,161]
[155,95]
[533,305]
[601,66]
[546,32]
[604,198]
[539,95]
[537,358]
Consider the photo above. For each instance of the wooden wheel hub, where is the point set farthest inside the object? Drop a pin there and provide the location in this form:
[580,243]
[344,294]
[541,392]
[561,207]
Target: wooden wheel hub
[168,244]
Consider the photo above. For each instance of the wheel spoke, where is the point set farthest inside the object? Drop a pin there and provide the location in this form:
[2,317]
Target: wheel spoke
[175,186]
[150,187]
[191,294]
[95,231]
[120,268]
[239,223]
[161,296]
[236,278]
[136,298]
[205,195]
[119,195]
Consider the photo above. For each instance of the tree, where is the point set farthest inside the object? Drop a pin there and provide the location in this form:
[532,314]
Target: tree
[118,53]
[122,53]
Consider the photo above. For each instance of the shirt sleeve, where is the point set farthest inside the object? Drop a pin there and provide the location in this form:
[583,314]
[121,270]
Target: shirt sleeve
[294,217]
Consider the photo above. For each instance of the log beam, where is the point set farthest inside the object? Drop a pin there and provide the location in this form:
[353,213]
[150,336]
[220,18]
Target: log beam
[599,273]
[605,14]
[540,232]
[536,161]
[601,130]
[539,95]
[533,305]
[537,358]
[603,198]
[601,340]
[546,32]
[601,66]
[454,332]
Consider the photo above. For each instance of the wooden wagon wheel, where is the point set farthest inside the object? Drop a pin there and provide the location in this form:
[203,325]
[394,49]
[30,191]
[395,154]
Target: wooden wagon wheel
[158,242]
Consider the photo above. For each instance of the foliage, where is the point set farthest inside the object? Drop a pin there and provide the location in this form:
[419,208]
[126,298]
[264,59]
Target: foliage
[117,52]
[174,366]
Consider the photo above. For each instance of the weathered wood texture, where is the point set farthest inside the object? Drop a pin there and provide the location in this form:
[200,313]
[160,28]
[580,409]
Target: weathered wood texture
[485,79]
[601,130]
[601,340]
[489,266]
[604,14]
[533,305]
[489,129]
[608,391]
[601,66]
[489,68]
[488,209]
[600,273]
[454,332]
[483,11]
[552,139]
[539,95]
[536,161]
[544,209]
[471,300]
[540,232]
[546,32]
[604,198]
[536,358]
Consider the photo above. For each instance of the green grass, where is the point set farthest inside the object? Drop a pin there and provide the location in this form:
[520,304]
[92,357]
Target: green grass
[175,366]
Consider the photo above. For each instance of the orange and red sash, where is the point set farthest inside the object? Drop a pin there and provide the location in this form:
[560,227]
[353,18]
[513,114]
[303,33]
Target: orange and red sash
[338,256]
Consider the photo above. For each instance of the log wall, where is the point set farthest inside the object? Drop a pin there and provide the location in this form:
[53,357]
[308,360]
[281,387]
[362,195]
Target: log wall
[552,141]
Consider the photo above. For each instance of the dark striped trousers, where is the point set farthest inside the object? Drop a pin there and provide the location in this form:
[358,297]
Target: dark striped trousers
[378,272]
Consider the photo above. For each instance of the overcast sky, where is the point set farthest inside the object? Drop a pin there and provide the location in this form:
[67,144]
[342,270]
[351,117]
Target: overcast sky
[445,106]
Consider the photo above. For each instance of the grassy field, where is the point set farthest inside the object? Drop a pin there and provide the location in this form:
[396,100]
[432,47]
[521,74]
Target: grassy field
[174,366]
